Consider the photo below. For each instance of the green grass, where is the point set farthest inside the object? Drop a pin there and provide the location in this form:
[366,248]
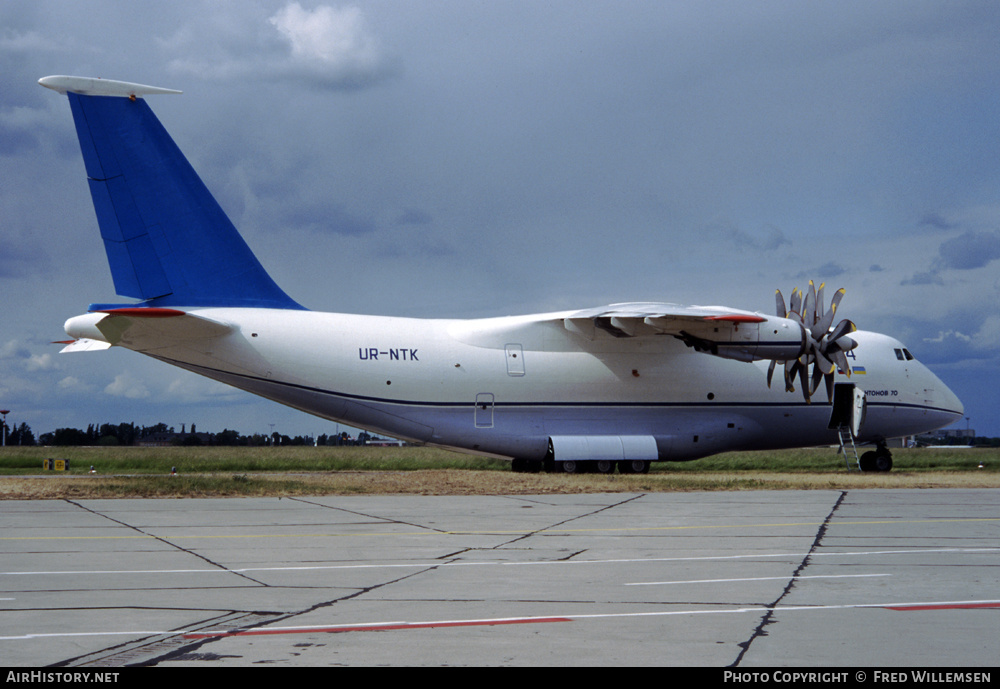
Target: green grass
[187,460]
[828,459]
[133,472]
[290,460]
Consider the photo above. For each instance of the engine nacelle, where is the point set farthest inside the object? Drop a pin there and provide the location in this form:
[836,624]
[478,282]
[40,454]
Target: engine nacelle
[763,337]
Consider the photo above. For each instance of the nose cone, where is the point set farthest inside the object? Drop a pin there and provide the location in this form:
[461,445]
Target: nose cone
[949,401]
[944,406]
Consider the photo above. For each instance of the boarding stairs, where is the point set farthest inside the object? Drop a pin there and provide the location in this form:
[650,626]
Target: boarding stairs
[846,418]
[848,446]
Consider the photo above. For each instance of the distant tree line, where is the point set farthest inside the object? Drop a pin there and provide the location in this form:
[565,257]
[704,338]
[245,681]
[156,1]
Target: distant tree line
[132,434]
[161,433]
[20,435]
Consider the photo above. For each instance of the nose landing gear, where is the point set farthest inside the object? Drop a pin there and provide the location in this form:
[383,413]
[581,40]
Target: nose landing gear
[879,459]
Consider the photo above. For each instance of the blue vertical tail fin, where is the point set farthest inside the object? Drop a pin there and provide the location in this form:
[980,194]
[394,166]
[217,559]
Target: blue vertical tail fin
[168,241]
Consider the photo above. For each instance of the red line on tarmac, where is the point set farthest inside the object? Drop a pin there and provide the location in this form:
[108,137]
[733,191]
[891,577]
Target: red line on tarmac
[946,606]
[376,627]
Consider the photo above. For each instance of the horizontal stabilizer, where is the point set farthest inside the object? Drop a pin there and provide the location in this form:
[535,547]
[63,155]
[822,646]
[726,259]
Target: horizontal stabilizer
[143,329]
[83,345]
[89,86]
[168,323]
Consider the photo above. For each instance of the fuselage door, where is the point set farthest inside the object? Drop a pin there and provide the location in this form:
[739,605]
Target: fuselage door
[515,360]
[848,407]
[484,410]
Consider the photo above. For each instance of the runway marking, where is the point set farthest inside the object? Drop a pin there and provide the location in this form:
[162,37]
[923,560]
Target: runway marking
[494,532]
[536,563]
[720,581]
[478,622]
[378,627]
[944,606]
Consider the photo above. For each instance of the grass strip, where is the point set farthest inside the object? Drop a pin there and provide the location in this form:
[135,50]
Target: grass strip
[259,472]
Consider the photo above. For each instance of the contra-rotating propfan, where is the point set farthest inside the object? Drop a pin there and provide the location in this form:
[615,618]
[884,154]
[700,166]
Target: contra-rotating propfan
[823,347]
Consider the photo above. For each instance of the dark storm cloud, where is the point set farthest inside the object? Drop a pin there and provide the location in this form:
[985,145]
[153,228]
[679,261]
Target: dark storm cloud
[767,239]
[21,258]
[325,218]
[934,221]
[969,250]
[414,216]
[824,272]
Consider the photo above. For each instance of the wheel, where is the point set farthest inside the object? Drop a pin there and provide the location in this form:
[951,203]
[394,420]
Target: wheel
[604,466]
[633,466]
[867,461]
[883,462]
[876,460]
[570,467]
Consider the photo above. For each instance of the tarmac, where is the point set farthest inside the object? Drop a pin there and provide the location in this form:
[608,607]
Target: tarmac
[749,579]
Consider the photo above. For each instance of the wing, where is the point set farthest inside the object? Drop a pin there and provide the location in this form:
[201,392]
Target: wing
[717,330]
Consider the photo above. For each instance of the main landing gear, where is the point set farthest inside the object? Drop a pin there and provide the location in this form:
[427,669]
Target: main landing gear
[879,459]
[600,466]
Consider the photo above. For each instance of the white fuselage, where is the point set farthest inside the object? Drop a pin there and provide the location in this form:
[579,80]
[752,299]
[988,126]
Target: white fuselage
[505,386]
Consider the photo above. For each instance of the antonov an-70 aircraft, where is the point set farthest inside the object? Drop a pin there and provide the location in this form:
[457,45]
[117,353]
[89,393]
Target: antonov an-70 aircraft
[615,386]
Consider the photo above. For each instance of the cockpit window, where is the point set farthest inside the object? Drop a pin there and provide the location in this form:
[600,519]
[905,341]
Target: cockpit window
[903,354]
[899,354]
[906,353]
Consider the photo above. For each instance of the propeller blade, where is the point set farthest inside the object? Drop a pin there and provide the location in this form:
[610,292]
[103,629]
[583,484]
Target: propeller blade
[824,347]
[804,380]
[829,387]
[817,376]
[791,367]
[810,348]
[841,361]
[823,364]
[809,310]
[835,302]
[822,325]
[842,344]
[844,327]
[796,303]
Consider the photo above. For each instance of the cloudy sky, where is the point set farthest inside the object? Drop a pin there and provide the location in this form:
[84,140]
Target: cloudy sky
[463,158]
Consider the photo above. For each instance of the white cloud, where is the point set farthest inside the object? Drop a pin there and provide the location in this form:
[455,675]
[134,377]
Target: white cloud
[945,335]
[126,385]
[326,46]
[28,42]
[14,349]
[988,337]
[190,389]
[72,383]
[336,37]
[39,362]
